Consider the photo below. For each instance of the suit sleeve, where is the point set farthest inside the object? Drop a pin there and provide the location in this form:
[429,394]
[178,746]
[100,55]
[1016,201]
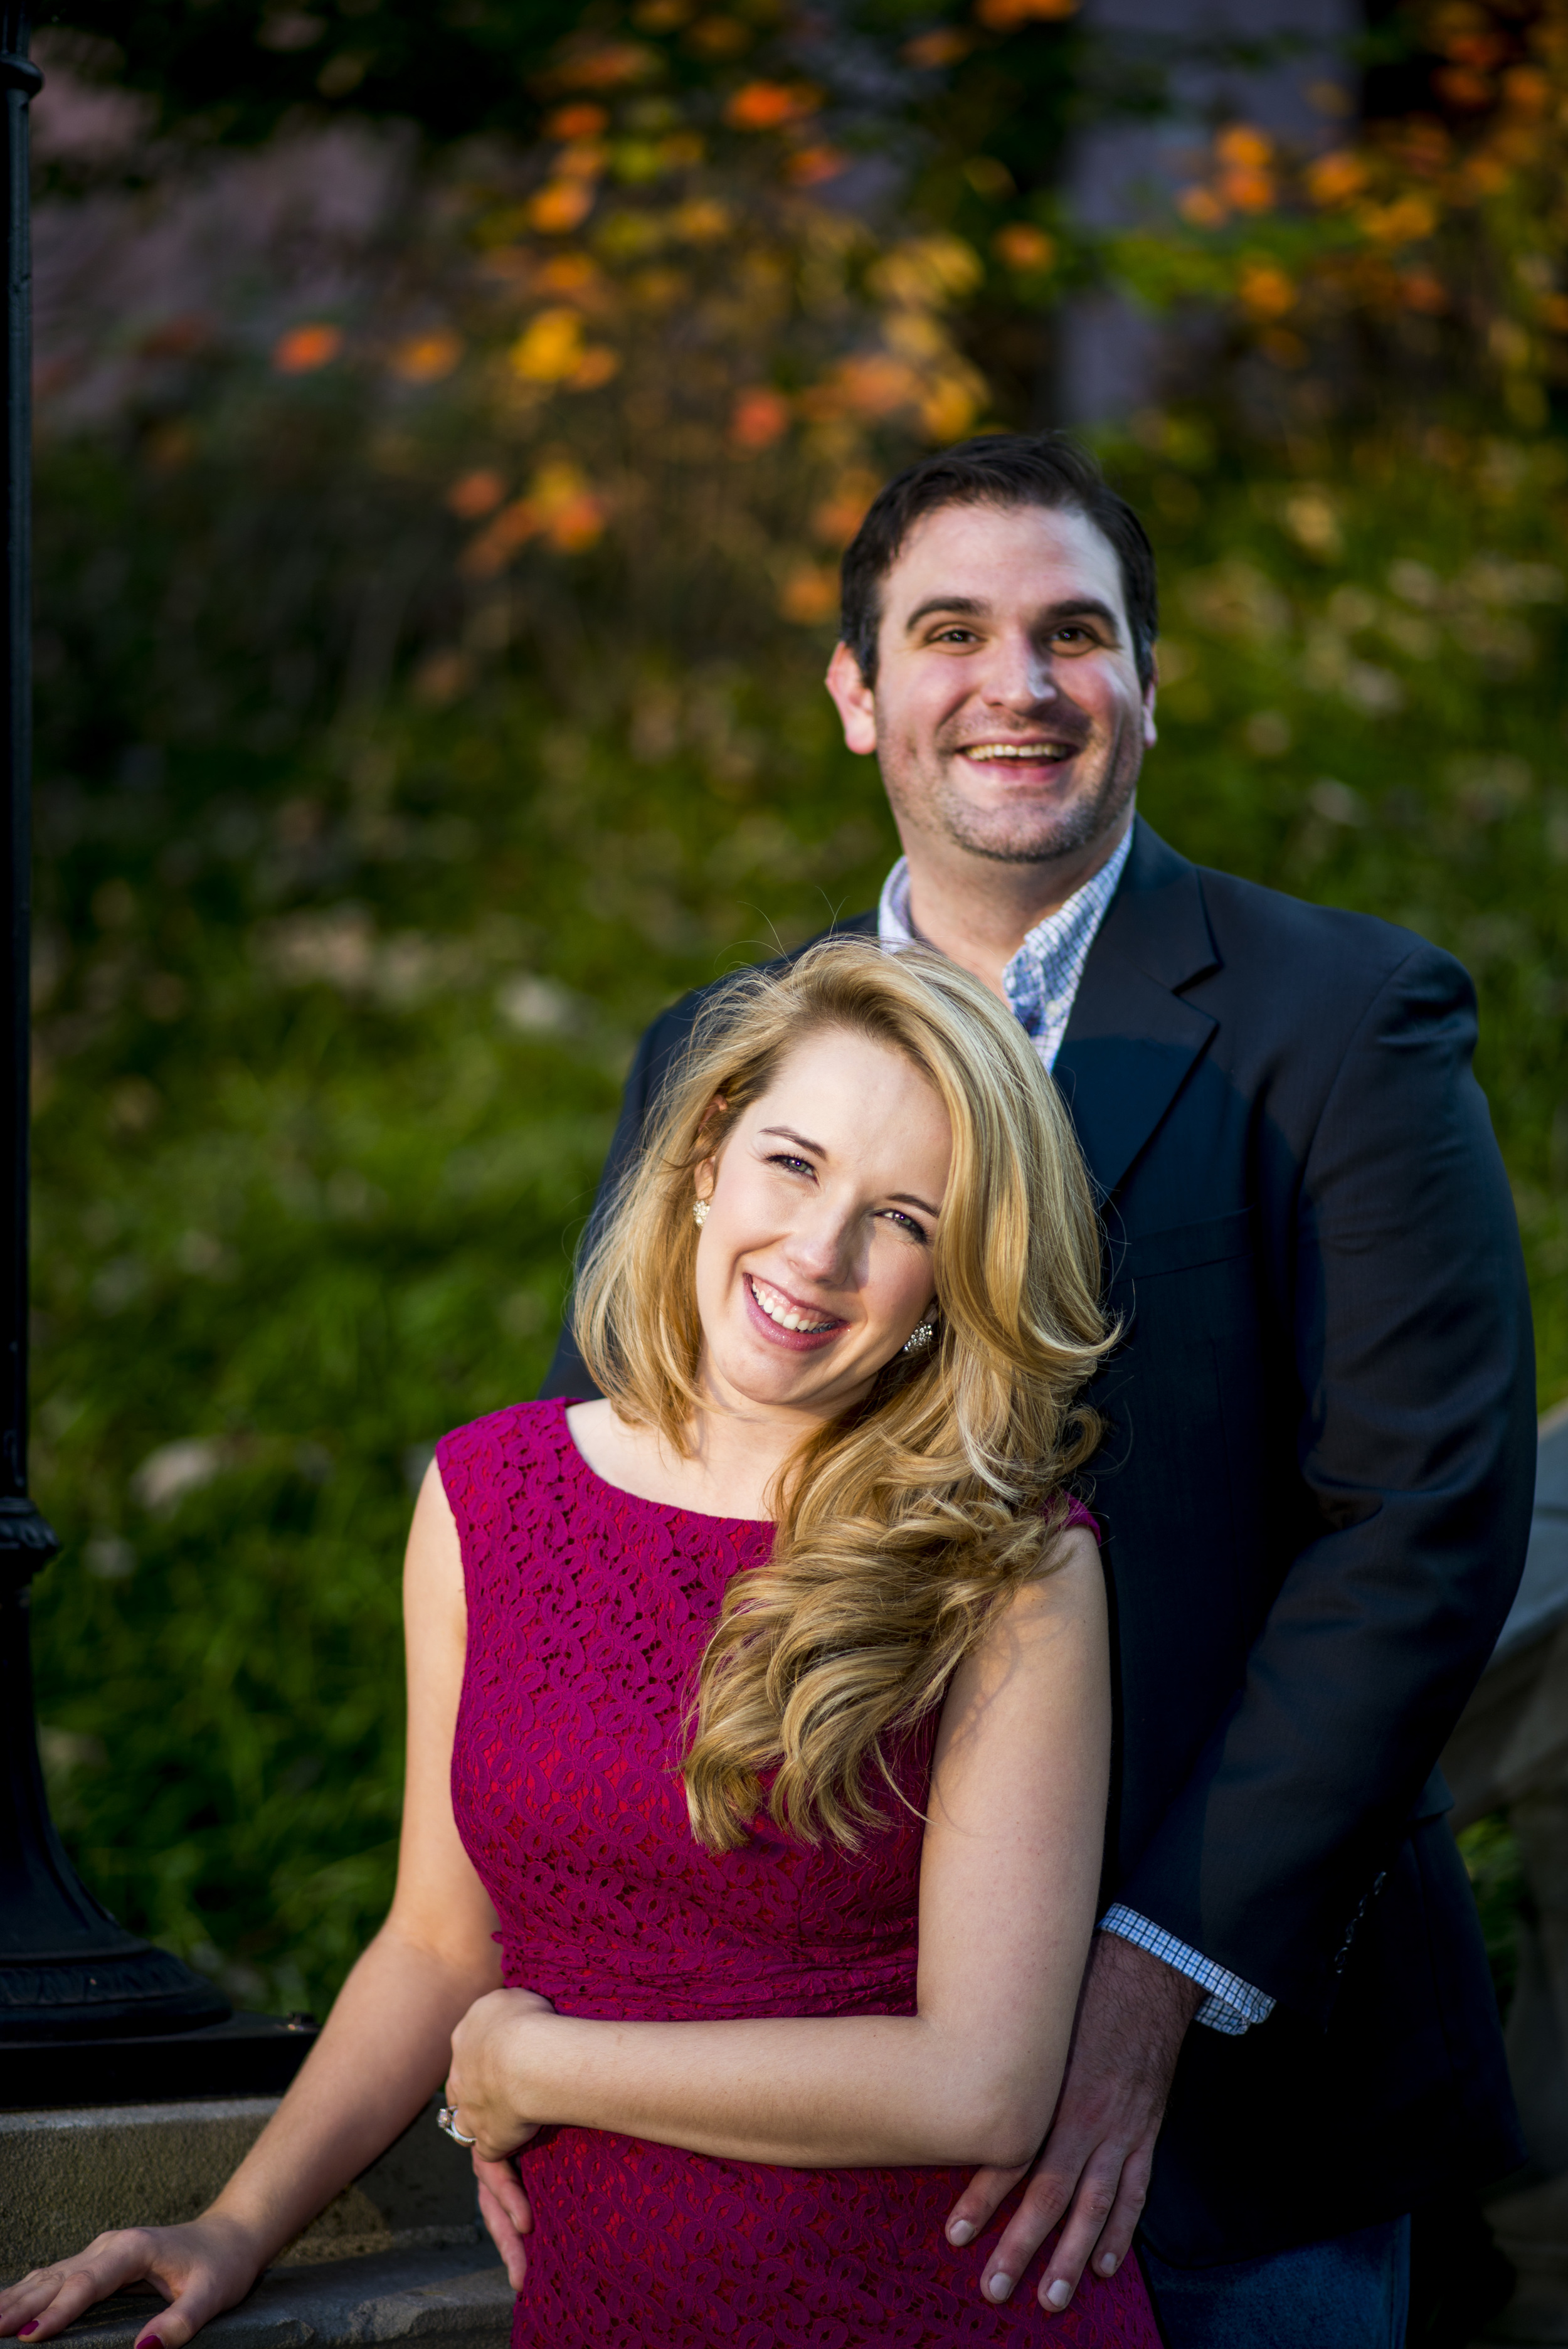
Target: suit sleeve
[1413,1354]
[650,1065]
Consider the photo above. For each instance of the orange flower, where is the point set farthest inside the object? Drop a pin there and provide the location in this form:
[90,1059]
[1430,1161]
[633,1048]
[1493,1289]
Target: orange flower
[1265,290]
[1526,90]
[838,518]
[769,105]
[1243,149]
[810,594]
[1009,16]
[1462,87]
[1201,207]
[877,384]
[1022,246]
[761,416]
[560,206]
[494,549]
[305,348]
[944,46]
[1333,178]
[596,366]
[812,165]
[474,495]
[607,65]
[577,122]
[1419,290]
[1247,190]
[425,358]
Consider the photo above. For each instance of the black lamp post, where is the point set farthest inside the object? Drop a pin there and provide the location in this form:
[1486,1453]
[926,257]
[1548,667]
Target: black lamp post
[88,2013]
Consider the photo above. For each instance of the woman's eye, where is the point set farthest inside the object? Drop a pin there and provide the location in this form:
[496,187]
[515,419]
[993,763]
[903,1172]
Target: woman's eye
[794,1165]
[916,1231]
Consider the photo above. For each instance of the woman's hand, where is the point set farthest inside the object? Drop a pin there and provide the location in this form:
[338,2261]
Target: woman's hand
[487,2086]
[200,2269]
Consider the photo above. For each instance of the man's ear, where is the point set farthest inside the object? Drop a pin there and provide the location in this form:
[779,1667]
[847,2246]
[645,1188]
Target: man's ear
[854,700]
[1150,692]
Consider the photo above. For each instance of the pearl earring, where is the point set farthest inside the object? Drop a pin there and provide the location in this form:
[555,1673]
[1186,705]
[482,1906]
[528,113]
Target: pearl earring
[699,1212]
[918,1340]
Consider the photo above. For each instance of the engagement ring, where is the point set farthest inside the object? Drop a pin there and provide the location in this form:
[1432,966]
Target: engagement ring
[446,2118]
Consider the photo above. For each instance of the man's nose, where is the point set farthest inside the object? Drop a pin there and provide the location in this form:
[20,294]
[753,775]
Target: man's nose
[1020,674]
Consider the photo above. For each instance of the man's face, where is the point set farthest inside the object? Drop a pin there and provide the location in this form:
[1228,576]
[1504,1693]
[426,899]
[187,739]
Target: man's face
[1007,717]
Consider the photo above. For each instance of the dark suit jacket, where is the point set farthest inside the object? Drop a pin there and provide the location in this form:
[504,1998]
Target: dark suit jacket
[1316,1492]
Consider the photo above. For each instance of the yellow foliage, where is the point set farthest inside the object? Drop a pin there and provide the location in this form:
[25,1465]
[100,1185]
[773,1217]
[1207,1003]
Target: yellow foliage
[934,270]
[549,347]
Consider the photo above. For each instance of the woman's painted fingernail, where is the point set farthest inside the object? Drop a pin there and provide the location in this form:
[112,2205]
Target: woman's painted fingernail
[1057,2295]
[32,2327]
[150,2340]
[1000,2285]
[961,2232]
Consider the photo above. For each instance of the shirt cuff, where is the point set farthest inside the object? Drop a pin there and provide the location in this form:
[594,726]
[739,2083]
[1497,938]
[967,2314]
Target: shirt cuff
[1233,2005]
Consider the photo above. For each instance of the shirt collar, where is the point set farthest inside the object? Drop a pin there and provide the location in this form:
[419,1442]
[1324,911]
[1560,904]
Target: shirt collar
[1049,962]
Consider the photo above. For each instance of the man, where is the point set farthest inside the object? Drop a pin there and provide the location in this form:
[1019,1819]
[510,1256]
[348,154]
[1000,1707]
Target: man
[1316,1483]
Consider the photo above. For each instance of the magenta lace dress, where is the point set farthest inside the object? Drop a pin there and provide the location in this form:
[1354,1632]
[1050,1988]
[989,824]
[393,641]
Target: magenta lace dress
[588,1609]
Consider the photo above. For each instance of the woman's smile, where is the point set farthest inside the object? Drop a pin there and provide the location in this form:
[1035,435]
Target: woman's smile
[786,1320]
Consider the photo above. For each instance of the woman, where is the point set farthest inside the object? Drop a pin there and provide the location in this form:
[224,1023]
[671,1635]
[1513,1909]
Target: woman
[765,1705]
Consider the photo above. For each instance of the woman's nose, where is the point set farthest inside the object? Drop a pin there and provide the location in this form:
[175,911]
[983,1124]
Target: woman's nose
[822,1245]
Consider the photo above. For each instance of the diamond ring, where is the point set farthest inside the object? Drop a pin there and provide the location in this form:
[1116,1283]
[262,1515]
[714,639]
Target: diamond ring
[446,2118]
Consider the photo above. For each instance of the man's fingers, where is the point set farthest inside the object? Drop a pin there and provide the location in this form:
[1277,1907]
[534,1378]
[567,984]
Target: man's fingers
[501,2180]
[1045,2197]
[504,2235]
[978,2203]
[1092,2206]
[1116,2235]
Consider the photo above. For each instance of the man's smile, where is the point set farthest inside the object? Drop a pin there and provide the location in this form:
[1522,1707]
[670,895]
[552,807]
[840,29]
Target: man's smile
[1032,754]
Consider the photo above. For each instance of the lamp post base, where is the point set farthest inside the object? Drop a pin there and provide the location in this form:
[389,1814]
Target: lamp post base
[248,2055]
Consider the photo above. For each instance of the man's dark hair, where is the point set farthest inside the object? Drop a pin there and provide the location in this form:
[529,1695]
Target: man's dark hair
[997,468]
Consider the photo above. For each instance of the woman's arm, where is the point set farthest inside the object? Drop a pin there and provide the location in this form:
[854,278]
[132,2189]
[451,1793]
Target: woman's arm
[384,2047]
[1008,1878]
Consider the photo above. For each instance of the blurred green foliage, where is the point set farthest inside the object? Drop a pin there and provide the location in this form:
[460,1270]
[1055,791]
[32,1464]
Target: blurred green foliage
[330,1053]
[423,708]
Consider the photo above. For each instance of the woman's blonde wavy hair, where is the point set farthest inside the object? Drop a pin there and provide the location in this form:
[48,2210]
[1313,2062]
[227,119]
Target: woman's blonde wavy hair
[905,1527]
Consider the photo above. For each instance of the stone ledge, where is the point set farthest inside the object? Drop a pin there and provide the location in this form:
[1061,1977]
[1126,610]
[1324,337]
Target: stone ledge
[66,2176]
[452,2296]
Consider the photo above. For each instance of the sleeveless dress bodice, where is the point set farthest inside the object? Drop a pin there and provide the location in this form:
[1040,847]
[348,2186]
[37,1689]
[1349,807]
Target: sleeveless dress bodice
[588,1610]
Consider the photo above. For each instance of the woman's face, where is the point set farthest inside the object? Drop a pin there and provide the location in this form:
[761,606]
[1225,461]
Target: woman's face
[814,1265]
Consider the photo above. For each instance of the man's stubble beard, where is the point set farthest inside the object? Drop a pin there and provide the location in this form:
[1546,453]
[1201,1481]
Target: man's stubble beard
[1026,836]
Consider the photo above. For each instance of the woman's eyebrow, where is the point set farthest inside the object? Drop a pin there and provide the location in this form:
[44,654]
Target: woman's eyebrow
[788,1134]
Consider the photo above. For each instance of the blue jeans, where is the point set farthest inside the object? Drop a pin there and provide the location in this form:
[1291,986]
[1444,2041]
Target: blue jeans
[1350,2293]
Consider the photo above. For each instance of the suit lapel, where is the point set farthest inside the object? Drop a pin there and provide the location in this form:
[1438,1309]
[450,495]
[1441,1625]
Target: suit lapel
[1132,1039]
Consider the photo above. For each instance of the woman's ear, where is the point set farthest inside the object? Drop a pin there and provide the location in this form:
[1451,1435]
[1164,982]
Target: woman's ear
[705,1174]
